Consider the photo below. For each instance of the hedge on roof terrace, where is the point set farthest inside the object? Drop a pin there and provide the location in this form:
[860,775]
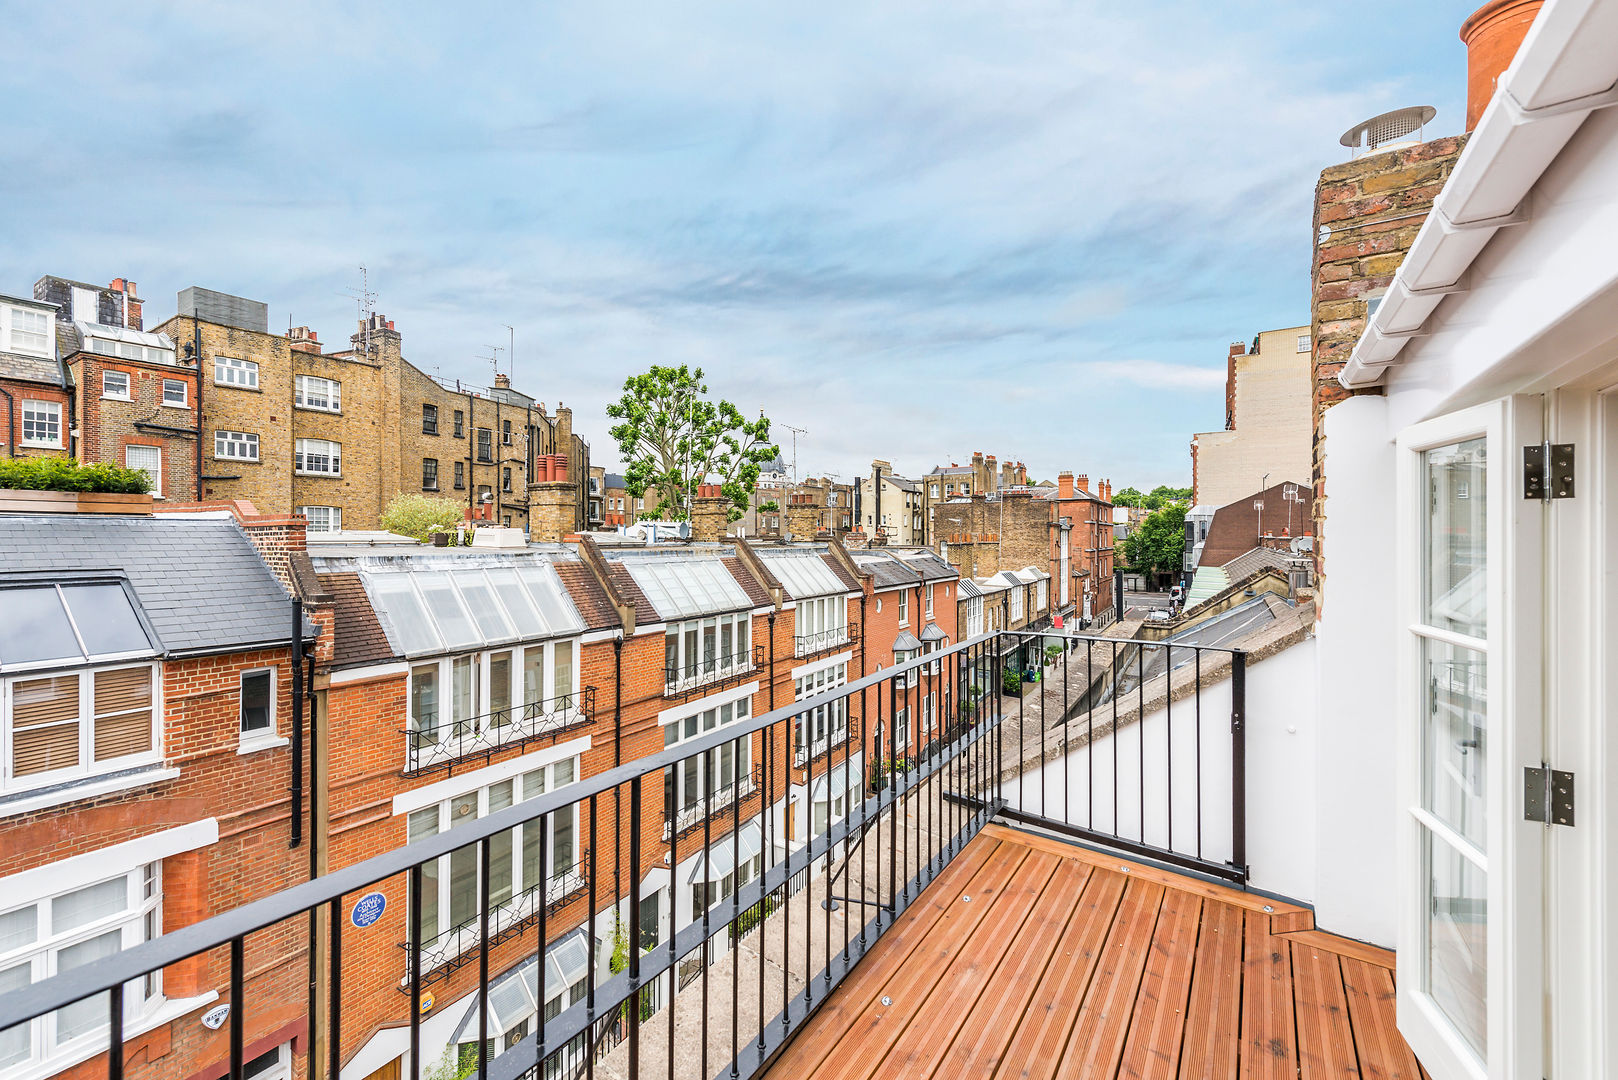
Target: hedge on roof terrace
[64,474]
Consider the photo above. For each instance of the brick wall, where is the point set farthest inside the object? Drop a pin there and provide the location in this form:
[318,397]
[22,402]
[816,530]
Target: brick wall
[108,426]
[35,392]
[1367,214]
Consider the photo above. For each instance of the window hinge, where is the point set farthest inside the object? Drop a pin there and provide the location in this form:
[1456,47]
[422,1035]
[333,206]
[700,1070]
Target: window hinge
[1547,795]
[1547,471]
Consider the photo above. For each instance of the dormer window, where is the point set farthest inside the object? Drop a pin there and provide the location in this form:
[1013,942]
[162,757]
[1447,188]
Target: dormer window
[25,330]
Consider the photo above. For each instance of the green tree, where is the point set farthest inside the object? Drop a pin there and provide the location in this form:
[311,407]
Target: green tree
[1127,497]
[672,437]
[1158,542]
[1162,495]
[415,515]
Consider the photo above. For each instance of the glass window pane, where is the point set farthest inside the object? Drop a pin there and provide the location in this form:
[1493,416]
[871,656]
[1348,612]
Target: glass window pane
[35,627]
[18,928]
[463,687]
[106,619]
[445,605]
[562,843]
[486,610]
[1457,940]
[533,679]
[564,673]
[1454,587]
[83,1017]
[1454,742]
[499,689]
[14,1042]
[519,605]
[565,772]
[412,629]
[255,715]
[555,606]
[424,696]
[86,905]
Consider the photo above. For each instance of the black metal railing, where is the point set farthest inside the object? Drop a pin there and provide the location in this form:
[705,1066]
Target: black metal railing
[456,947]
[711,672]
[835,637]
[828,886]
[439,746]
[837,733]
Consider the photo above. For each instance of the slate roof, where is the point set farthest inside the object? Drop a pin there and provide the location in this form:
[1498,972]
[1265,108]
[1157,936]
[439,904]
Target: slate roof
[359,636]
[199,580]
[39,369]
[889,570]
[1246,565]
[906,641]
[612,480]
[951,470]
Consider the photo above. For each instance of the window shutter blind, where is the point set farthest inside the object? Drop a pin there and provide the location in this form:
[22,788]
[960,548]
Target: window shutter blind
[44,725]
[123,712]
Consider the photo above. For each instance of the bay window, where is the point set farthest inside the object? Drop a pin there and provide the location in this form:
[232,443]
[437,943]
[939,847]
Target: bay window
[519,879]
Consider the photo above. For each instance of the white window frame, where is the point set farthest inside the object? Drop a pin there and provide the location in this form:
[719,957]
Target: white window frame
[157,475]
[453,735]
[1305,343]
[904,607]
[1513,858]
[87,767]
[185,394]
[689,664]
[270,734]
[231,441]
[304,451]
[694,794]
[930,600]
[13,334]
[1016,604]
[317,394]
[330,518]
[114,374]
[234,372]
[556,879]
[48,413]
[820,622]
[826,724]
[138,921]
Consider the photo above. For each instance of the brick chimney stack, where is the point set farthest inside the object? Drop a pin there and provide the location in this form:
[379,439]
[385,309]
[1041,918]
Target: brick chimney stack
[131,304]
[304,339]
[502,381]
[1084,483]
[1064,484]
[991,474]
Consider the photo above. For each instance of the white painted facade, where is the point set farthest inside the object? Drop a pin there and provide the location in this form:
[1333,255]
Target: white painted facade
[1271,433]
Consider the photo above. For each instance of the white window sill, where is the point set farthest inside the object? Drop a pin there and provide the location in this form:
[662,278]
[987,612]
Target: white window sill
[41,445]
[327,475]
[114,397]
[170,1010]
[256,743]
[172,405]
[90,788]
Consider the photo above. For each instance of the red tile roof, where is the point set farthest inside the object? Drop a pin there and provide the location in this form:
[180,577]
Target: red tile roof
[358,636]
[595,607]
[750,585]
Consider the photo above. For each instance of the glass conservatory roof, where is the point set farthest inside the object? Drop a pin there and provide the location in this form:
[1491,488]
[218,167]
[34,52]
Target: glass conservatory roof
[74,623]
[803,575]
[679,588]
[445,610]
[512,996]
[724,854]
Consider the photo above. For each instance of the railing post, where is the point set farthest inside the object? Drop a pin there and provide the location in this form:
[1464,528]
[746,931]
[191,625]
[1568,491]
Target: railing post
[1238,761]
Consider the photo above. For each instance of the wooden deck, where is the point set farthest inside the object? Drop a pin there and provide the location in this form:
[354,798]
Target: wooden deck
[1030,957]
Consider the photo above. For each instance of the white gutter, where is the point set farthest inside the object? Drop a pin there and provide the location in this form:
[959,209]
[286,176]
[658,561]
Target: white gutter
[1566,69]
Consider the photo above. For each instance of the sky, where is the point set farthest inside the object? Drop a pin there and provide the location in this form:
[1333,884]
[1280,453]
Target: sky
[913,229]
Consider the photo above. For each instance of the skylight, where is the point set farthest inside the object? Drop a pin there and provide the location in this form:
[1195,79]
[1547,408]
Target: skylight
[436,611]
[804,575]
[127,344]
[679,588]
[73,623]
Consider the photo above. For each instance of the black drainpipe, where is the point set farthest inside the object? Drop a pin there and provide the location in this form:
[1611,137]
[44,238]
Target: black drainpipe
[11,423]
[196,348]
[876,511]
[297,723]
[617,792]
[772,660]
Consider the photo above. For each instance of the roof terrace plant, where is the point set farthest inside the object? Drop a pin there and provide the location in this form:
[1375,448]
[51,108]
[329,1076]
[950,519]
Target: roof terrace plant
[65,474]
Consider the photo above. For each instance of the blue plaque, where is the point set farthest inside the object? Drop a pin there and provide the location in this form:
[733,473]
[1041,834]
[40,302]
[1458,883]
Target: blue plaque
[368,909]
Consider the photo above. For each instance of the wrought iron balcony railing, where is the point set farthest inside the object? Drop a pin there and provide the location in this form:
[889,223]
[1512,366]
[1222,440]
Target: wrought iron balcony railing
[710,671]
[809,644]
[722,796]
[439,746]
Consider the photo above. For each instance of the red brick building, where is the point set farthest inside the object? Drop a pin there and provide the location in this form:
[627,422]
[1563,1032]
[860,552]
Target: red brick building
[36,410]
[145,730]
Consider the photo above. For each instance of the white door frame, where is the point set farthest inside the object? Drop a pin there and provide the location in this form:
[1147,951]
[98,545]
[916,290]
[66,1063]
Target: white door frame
[1513,858]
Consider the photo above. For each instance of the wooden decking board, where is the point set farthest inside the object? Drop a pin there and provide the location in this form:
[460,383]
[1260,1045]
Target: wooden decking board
[987,1029]
[1325,1041]
[1213,1015]
[1097,1041]
[1074,963]
[1383,1053]
[1269,1030]
[874,1026]
[1168,878]
[977,971]
[1152,1051]
[1040,1037]
[887,956]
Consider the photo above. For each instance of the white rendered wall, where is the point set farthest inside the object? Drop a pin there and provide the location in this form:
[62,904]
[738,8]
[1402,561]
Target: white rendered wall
[1280,772]
[1354,775]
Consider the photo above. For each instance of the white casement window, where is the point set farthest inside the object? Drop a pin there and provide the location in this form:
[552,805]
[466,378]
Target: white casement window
[518,881]
[41,423]
[1042,596]
[1016,603]
[70,724]
[317,457]
[313,392]
[27,331]
[131,350]
[832,802]
[818,729]
[257,712]
[821,622]
[904,607]
[706,782]
[235,445]
[115,385]
[461,705]
[974,616]
[230,371]
[323,518]
[148,459]
[1303,342]
[176,394]
[700,650]
[930,589]
[58,934]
